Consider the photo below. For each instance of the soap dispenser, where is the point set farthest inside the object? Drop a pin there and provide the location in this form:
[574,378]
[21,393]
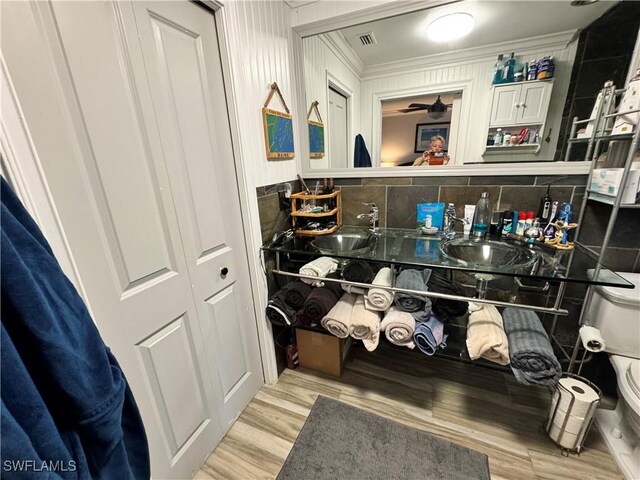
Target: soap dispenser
[482,216]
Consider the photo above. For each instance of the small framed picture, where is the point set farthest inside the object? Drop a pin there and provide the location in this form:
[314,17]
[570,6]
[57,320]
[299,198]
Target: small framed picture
[426,131]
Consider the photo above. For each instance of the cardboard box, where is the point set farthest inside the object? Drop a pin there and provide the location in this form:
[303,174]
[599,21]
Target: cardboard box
[322,351]
[607,181]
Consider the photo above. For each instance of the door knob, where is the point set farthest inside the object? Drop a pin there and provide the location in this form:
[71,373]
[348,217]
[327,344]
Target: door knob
[224,271]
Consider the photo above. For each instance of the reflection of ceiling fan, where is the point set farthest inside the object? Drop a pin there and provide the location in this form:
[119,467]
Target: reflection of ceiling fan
[435,107]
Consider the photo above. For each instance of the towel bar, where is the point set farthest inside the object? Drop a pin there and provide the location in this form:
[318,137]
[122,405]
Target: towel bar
[554,310]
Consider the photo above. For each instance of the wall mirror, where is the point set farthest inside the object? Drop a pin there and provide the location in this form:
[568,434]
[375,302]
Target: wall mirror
[401,81]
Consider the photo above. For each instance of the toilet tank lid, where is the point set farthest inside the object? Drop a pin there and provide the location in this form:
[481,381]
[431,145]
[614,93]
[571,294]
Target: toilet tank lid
[625,296]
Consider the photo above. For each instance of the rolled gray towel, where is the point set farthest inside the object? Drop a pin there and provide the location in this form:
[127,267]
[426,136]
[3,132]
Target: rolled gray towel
[532,359]
[413,280]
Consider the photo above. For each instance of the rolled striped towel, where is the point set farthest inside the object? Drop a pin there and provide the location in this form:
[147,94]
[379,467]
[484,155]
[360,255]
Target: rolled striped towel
[398,327]
[378,298]
[531,353]
[338,320]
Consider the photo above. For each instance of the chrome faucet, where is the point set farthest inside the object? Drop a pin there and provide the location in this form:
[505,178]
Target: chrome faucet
[373,216]
[450,220]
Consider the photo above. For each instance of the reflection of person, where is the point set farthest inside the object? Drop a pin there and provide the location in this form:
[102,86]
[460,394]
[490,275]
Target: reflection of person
[434,155]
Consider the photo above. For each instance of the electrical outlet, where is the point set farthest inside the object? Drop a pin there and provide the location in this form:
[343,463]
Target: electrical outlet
[284,201]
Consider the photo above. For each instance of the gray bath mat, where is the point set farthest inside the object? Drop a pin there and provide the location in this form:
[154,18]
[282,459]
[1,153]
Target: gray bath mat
[343,442]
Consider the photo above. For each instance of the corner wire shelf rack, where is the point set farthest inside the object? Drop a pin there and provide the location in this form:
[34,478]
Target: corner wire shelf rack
[600,134]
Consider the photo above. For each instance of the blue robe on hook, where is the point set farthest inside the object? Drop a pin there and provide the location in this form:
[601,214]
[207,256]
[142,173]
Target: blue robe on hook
[67,410]
[361,157]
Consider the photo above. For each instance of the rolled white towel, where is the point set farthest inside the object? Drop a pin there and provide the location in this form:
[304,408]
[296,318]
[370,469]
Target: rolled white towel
[486,337]
[353,289]
[365,325]
[398,327]
[380,299]
[320,267]
[338,320]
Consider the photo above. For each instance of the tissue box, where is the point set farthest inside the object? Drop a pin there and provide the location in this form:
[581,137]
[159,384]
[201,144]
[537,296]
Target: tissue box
[607,181]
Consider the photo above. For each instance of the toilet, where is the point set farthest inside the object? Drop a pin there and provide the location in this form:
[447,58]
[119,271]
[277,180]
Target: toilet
[616,313]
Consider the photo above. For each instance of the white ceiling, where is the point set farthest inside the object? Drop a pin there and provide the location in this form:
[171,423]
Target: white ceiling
[404,36]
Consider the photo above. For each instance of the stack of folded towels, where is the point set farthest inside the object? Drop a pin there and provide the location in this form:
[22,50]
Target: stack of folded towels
[485,335]
[429,334]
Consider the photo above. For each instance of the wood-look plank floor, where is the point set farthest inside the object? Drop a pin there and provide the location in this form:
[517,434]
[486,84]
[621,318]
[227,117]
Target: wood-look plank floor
[482,409]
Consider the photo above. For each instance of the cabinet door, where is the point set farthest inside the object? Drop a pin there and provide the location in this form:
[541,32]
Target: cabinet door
[505,106]
[533,103]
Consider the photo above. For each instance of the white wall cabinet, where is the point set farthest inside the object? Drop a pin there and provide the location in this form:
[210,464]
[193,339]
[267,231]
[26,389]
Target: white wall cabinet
[520,103]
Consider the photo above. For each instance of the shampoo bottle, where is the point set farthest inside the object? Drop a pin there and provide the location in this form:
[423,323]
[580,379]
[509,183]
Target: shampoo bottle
[482,216]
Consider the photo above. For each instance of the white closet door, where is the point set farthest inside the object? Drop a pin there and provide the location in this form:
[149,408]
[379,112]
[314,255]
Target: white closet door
[134,144]
[180,50]
[338,141]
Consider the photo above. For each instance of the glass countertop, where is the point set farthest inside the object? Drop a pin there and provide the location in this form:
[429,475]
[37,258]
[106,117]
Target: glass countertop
[485,258]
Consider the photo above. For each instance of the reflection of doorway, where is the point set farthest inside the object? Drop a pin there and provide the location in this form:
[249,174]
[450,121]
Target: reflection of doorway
[338,131]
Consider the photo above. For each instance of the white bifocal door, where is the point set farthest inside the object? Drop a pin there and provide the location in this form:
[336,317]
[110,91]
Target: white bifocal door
[126,107]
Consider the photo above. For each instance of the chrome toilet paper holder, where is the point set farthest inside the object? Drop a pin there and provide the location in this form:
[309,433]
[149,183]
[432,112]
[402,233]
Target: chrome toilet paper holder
[589,417]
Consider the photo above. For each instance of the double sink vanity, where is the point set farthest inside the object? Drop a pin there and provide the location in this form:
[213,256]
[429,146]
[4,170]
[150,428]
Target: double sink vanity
[498,271]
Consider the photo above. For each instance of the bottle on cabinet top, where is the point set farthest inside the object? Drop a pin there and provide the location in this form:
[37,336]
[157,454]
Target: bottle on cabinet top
[509,68]
[498,70]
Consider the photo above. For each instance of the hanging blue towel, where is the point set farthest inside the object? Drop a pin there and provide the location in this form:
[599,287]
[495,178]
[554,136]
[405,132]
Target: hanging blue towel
[430,335]
[66,405]
[361,157]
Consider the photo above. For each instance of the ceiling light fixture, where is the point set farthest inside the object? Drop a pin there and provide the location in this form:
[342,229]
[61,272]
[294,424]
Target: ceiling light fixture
[450,27]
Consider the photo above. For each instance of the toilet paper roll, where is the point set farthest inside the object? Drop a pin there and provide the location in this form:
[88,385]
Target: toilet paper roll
[573,426]
[592,339]
[565,439]
[583,393]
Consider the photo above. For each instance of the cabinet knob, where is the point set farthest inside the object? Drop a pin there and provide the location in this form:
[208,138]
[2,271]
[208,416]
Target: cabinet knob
[517,105]
[224,271]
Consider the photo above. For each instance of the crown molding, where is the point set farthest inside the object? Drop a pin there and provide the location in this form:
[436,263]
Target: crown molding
[322,16]
[523,46]
[336,42]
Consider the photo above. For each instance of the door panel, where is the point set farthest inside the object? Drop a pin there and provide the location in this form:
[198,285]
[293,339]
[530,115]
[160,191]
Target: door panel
[171,366]
[185,82]
[224,335]
[534,103]
[179,46]
[122,175]
[503,108]
[338,143]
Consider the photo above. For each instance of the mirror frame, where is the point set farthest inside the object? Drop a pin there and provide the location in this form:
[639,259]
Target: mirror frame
[313,19]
